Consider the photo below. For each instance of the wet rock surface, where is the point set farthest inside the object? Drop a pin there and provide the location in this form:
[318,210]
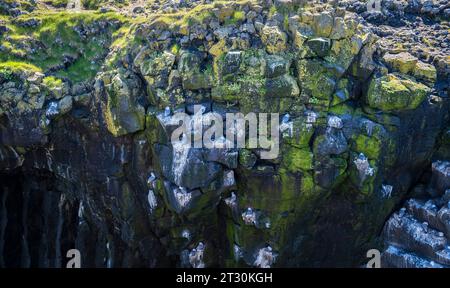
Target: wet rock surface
[417,236]
[91,164]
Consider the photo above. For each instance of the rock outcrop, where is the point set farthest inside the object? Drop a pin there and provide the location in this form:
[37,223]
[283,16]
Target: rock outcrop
[418,235]
[87,160]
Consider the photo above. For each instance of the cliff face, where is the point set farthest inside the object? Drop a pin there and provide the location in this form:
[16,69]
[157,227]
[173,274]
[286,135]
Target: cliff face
[86,160]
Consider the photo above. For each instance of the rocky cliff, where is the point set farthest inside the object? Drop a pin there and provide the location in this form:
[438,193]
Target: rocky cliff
[86,161]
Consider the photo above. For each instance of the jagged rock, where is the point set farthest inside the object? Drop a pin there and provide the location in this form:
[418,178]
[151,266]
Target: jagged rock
[186,167]
[122,112]
[192,77]
[394,257]
[441,176]
[354,136]
[320,46]
[339,30]
[412,235]
[274,39]
[425,72]
[415,236]
[180,199]
[282,86]
[276,66]
[402,62]
[333,142]
[315,79]
[323,24]
[155,67]
[65,104]
[9,158]
[247,158]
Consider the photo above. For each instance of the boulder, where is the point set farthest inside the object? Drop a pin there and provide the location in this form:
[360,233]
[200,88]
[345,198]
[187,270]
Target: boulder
[440,176]
[186,167]
[394,92]
[402,62]
[274,39]
[323,24]
[425,72]
[122,112]
[320,46]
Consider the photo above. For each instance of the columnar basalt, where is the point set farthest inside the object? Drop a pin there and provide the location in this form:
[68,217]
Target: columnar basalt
[87,161]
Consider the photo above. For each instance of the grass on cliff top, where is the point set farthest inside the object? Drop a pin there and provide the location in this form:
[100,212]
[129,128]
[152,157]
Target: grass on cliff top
[57,3]
[55,46]
[201,12]
[9,68]
[96,4]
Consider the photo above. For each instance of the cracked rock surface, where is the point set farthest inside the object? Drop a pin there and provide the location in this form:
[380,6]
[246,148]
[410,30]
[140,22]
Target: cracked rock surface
[88,105]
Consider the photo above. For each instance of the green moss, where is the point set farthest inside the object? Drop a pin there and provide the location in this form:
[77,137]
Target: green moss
[272,11]
[247,158]
[13,67]
[296,160]
[316,79]
[96,4]
[366,185]
[237,17]
[302,134]
[200,17]
[175,49]
[395,92]
[51,82]
[370,146]
[286,22]
[341,109]
[307,185]
[122,39]
[57,33]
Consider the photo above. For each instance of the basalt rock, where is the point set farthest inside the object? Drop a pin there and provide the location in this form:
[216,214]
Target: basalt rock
[93,165]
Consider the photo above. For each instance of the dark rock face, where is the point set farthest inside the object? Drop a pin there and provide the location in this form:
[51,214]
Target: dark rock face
[418,235]
[94,167]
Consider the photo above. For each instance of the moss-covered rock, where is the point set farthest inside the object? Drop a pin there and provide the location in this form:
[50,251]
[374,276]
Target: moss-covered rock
[247,158]
[281,87]
[323,24]
[425,72]
[315,79]
[274,39]
[296,159]
[301,133]
[394,92]
[122,112]
[320,46]
[370,146]
[402,62]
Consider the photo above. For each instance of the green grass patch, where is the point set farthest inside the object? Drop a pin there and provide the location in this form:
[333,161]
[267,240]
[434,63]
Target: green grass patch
[57,3]
[58,40]
[9,70]
[51,82]
[17,67]
[175,49]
